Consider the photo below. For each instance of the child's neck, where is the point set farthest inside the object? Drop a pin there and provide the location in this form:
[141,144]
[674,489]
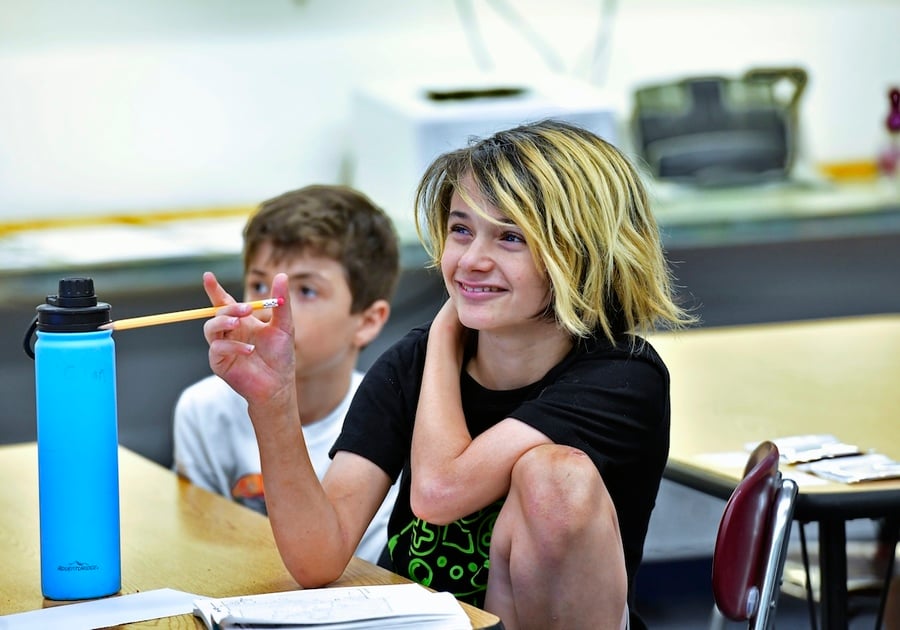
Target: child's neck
[319,395]
[504,362]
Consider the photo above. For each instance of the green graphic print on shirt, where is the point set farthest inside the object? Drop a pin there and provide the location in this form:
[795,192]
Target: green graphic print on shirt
[453,558]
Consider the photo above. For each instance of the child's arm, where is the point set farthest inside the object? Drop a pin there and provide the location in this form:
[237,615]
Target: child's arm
[454,475]
[316,531]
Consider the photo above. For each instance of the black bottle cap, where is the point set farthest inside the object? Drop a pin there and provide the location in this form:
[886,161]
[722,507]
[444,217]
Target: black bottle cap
[74,309]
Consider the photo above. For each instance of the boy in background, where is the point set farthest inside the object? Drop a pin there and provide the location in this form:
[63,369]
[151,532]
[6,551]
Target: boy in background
[340,252]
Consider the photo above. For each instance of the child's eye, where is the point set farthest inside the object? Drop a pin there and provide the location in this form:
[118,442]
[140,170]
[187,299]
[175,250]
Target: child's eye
[458,228]
[258,288]
[512,237]
[308,292]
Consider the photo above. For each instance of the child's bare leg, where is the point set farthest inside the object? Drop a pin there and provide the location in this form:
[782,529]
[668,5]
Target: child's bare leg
[556,551]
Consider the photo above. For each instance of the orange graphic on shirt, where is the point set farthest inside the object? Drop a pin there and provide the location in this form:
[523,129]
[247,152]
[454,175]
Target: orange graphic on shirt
[248,487]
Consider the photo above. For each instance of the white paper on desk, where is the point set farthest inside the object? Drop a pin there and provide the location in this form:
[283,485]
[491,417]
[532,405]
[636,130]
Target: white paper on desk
[338,608]
[100,613]
[855,469]
[797,449]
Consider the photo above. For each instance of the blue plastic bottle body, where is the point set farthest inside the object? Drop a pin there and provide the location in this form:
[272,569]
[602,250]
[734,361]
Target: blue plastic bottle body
[78,464]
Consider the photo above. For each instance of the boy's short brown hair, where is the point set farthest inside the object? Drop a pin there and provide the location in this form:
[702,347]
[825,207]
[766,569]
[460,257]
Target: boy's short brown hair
[336,222]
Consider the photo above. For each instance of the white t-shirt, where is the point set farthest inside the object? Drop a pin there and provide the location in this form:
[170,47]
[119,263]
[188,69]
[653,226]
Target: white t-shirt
[216,449]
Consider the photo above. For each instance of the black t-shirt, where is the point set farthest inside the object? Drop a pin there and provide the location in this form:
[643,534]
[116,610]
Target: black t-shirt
[610,401]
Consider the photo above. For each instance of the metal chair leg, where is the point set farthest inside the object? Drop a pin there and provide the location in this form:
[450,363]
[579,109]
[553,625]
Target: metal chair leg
[810,602]
[892,537]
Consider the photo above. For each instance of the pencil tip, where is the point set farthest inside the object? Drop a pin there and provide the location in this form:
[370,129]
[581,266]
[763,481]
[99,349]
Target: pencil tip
[108,326]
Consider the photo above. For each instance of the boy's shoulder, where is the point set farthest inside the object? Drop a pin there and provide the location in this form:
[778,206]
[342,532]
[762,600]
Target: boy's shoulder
[405,356]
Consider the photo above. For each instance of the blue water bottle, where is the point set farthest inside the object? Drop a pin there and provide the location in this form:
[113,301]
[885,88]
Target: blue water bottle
[77,439]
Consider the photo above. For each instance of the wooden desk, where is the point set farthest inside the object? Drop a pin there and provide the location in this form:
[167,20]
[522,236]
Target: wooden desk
[735,385]
[174,535]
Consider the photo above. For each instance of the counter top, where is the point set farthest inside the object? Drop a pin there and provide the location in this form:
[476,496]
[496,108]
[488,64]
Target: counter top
[797,210]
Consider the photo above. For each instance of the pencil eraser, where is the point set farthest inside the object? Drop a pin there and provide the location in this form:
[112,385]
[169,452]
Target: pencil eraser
[280,301]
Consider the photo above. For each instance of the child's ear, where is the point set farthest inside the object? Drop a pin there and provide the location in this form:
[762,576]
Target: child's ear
[372,321]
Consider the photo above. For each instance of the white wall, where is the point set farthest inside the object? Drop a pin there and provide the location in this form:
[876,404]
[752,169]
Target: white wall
[129,106]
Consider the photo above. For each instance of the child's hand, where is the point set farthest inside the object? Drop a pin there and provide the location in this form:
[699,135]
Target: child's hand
[447,334]
[255,358]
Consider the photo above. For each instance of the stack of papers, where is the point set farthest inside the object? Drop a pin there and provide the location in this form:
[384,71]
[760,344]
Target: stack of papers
[346,608]
[827,457]
[854,469]
[798,449]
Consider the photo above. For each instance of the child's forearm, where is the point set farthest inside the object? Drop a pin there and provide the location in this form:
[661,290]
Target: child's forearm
[304,523]
[440,434]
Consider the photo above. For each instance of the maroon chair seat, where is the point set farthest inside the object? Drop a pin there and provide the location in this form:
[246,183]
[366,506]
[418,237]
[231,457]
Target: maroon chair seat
[752,541]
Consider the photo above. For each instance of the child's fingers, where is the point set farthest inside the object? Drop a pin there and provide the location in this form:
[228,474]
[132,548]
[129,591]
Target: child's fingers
[230,308]
[219,326]
[282,316]
[218,296]
[224,351]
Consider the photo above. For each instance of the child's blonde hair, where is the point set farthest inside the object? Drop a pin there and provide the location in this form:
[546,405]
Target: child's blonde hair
[584,213]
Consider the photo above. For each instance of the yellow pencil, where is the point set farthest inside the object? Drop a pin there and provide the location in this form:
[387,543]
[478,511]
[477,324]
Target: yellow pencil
[182,316]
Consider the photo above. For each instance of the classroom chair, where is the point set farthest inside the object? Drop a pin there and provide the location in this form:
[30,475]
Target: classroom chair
[752,542]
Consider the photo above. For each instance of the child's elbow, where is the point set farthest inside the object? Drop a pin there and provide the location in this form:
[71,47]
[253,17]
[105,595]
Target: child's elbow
[432,502]
[316,578]
[313,570]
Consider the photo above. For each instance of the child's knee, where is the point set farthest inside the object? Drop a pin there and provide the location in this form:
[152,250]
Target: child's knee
[560,492]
